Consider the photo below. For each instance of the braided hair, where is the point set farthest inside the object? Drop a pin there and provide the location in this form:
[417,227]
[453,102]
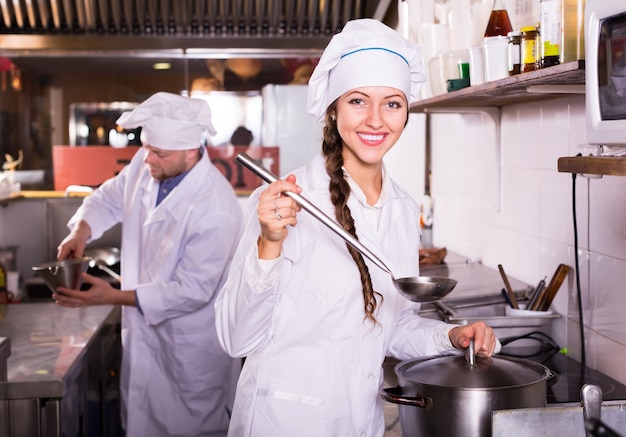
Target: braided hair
[332,146]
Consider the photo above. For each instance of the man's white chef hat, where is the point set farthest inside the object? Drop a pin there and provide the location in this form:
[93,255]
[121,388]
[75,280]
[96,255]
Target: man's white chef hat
[170,122]
[365,53]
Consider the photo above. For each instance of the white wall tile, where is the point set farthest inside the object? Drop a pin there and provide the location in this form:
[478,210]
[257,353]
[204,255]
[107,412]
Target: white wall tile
[533,231]
[610,358]
[608,279]
[556,206]
[607,221]
[554,131]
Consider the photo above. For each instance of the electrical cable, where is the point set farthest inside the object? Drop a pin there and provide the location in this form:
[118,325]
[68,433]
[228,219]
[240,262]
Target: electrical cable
[539,336]
[583,357]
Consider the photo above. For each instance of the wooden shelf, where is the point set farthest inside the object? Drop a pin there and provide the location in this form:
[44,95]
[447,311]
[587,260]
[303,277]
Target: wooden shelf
[600,165]
[546,83]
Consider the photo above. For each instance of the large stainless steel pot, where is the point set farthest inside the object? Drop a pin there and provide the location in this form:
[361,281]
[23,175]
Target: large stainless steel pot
[455,396]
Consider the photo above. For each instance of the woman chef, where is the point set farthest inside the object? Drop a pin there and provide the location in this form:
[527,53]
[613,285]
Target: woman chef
[314,319]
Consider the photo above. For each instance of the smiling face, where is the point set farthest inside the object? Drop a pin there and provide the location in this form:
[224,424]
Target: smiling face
[370,120]
[166,164]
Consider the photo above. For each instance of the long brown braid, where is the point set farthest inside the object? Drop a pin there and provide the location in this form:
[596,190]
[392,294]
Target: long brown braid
[339,188]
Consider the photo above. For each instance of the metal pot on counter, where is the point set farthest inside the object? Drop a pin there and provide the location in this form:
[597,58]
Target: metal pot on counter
[455,395]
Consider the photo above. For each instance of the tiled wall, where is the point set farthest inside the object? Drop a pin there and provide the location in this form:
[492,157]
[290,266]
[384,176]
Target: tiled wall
[531,232]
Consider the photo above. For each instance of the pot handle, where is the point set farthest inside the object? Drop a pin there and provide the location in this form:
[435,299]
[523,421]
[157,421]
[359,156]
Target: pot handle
[394,395]
[553,378]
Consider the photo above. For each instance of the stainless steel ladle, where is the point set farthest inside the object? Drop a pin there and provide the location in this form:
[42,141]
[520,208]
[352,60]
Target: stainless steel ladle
[416,289]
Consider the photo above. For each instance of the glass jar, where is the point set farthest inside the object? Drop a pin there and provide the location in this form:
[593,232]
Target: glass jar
[529,46]
[515,52]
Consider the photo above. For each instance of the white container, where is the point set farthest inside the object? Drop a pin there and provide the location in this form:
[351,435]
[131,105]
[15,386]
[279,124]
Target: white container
[477,65]
[496,54]
[13,286]
[445,66]
[523,312]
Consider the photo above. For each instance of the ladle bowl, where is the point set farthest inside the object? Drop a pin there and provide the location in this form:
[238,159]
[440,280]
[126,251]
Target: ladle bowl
[415,289]
[424,288]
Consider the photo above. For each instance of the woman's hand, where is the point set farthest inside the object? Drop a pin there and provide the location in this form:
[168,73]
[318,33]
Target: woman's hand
[485,342]
[276,212]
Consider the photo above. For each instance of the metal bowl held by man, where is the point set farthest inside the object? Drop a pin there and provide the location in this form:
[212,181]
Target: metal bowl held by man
[65,273]
[454,396]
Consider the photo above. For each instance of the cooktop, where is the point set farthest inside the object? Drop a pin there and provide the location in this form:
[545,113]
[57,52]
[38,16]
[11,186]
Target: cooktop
[571,375]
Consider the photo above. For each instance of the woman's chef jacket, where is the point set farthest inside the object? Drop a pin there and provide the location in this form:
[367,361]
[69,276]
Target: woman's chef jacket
[176,380]
[314,364]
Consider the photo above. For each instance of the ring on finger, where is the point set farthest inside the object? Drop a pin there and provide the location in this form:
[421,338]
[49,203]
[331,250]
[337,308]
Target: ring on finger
[277,214]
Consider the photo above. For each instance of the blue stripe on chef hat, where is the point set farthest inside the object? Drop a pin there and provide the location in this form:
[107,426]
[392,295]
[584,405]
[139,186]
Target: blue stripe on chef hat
[365,53]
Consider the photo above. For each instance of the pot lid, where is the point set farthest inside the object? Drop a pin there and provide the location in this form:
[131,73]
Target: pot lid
[487,372]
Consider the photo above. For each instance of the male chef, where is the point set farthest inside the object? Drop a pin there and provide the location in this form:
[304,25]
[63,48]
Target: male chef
[181,222]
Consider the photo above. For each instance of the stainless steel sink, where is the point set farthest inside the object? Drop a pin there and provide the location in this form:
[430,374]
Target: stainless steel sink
[563,420]
[491,310]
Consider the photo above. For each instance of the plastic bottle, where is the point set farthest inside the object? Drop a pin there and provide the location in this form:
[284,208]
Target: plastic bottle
[550,46]
[499,23]
[573,30]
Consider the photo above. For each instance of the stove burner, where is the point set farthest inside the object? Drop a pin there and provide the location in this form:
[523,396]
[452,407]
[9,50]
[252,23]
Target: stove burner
[571,376]
[605,384]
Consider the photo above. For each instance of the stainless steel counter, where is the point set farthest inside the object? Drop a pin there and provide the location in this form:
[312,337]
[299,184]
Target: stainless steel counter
[62,367]
[46,343]
[474,279]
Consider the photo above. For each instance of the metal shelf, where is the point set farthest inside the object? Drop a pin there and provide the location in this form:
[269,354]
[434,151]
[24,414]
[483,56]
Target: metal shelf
[546,83]
[543,84]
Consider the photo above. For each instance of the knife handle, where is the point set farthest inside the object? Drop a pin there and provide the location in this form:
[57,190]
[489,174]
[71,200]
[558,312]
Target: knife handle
[536,293]
[544,302]
[507,285]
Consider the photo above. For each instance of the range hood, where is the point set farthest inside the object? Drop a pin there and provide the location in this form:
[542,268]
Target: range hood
[190,28]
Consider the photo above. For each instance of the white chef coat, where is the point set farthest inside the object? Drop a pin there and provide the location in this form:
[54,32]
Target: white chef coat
[176,380]
[314,364]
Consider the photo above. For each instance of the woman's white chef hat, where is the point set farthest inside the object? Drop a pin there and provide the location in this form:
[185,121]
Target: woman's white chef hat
[365,53]
[169,121]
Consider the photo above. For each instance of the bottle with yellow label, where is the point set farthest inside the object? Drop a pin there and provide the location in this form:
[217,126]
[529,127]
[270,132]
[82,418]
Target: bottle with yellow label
[550,45]
[529,49]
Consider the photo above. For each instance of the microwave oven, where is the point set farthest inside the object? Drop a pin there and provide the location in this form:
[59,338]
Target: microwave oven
[605,72]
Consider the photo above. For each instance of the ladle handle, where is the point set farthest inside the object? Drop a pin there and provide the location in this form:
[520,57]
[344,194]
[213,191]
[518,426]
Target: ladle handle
[253,165]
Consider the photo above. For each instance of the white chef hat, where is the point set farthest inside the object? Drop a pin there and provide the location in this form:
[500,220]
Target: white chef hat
[169,121]
[365,53]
